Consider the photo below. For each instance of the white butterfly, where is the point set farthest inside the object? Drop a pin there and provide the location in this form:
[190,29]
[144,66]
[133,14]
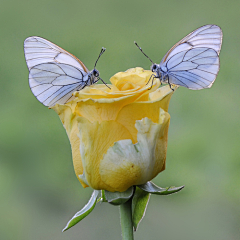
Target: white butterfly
[193,62]
[54,74]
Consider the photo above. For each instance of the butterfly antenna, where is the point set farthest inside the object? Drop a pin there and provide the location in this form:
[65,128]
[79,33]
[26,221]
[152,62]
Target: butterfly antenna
[143,52]
[102,51]
[104,82]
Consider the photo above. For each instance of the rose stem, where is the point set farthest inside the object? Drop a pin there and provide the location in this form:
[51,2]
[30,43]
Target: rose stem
[126,220]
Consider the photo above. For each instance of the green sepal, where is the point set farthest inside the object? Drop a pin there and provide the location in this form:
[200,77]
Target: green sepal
[102,198]
[154,189]
[139,205]
[118,198]
[84,212]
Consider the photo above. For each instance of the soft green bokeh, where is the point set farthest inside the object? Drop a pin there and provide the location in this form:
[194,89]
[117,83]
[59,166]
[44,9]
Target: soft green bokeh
[39,190]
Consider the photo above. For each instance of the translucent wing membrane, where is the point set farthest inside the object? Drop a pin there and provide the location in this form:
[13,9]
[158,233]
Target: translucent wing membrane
[195,69]
[53,83]
[208,36]
[39,50]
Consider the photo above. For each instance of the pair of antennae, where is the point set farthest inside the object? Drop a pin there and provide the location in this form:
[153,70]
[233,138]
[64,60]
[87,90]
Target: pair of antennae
[143,52]
[104,49]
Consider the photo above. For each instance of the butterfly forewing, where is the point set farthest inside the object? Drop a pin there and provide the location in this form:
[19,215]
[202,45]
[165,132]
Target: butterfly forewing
[39,50]
[209,36]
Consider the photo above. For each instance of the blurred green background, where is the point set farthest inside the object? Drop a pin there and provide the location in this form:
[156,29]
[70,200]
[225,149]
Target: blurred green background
[39,190]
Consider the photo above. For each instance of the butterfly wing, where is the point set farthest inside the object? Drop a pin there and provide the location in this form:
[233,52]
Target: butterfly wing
[39,50]
[53,83]
[196,68]
[208,36]
[54,74]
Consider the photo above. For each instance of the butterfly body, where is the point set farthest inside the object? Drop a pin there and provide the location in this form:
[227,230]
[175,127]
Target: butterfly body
[193,62]
[54,74]
[160,72]
[92,77]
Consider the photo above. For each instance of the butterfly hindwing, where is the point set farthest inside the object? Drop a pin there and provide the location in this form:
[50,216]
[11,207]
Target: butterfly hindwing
[53,83]
[195,69]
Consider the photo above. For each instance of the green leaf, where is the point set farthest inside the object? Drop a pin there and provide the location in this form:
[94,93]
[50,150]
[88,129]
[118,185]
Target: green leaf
[84,212]
[139,205]
[118,198]
[154,189]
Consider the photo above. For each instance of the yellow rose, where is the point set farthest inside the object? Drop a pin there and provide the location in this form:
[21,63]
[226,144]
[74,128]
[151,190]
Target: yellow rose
[119,135]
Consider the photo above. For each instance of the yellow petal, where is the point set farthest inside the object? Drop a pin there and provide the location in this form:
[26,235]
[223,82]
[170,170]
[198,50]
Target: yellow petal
[161,144]
[103,109]
[134,77]
[150,109]
[96,138]
[69,120]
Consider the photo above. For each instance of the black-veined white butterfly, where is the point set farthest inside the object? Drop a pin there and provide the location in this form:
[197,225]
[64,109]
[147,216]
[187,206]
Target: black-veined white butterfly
[54,74]
[193,62]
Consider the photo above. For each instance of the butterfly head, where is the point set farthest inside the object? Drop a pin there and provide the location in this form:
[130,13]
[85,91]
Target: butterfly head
[93,76]
[154,67]
[95,73]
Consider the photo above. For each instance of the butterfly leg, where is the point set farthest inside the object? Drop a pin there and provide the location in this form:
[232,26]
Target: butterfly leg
[102,82]
[152,82]
[151,78]
[170,85]
[82,87]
